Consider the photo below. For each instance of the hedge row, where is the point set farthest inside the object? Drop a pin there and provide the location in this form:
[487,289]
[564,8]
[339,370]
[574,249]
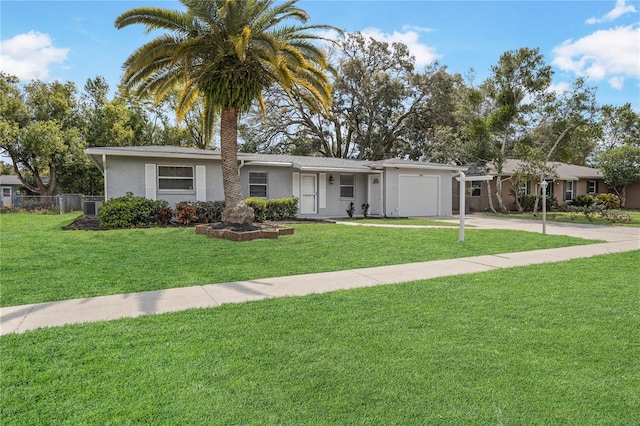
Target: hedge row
[131,212]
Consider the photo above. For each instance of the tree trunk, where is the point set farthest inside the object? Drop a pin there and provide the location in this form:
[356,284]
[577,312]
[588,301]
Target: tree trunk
[235,211]
[501,205]
[493,209]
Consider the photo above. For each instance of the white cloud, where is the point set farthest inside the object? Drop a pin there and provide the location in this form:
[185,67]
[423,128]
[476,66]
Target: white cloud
[616,82]
[620,9]
[423,53]
[417,28]
[611,55]
[28,56]
[559,88]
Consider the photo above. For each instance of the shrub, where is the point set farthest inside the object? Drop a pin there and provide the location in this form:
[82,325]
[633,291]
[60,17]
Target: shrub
[129,211]
[365,210]
[259,207]
[583,201]
[529,200]
[590,212]
[186,213]
[608,201]
[165,215]
[282,208]
[209,211]
[351,210]
[616,216]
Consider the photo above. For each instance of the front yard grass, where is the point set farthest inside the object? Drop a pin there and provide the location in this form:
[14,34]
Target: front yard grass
[41,263]
[544,344]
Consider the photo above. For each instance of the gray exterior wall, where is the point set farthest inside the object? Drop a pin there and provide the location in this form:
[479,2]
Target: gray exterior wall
[337,206]
[279,183]
[127,174]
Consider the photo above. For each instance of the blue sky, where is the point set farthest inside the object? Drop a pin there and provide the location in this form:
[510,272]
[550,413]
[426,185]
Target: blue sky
[600,40]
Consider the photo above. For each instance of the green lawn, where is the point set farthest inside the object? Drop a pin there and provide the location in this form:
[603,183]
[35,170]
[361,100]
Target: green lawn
[544,344]
[41,263]
[573,217]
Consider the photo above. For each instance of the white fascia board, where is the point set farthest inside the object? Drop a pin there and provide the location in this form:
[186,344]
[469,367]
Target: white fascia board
[455,169]
[269,163]
[150,154]
[472,178]
[333,169]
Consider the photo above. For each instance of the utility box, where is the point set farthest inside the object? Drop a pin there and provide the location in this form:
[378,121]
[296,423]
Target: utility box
[90,208]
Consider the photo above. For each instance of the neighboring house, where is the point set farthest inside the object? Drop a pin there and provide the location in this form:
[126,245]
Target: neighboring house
[632,196]
[569,182]
[325,187]
[10,187]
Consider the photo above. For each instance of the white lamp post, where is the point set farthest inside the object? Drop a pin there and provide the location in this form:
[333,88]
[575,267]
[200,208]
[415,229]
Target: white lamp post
[544,185]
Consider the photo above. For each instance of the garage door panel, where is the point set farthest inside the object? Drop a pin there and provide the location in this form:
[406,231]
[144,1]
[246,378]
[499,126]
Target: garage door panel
[418,195]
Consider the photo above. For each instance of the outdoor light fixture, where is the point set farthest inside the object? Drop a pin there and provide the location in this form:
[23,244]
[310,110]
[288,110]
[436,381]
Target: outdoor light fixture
[331,179]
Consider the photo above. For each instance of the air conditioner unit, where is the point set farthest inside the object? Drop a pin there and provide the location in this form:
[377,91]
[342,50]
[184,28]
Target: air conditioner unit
[90,208]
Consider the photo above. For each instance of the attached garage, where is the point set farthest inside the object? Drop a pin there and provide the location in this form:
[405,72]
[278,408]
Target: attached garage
[419,195]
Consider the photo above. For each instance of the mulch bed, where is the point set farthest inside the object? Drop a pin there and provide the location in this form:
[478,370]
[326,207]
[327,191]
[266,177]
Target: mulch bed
[85,224]
[237,232]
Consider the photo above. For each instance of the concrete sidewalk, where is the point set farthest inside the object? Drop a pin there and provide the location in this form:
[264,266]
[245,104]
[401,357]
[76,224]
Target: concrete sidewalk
[17,319]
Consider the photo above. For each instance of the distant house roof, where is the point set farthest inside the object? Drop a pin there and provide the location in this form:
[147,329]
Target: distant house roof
[564,171]
[293,161]
[9,180]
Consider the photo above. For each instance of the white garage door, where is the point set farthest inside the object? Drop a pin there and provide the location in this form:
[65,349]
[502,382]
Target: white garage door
[419,195]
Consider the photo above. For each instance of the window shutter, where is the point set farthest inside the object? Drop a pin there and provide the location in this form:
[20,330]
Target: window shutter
[201,183]
[150,181]
[295,176]
[322,196]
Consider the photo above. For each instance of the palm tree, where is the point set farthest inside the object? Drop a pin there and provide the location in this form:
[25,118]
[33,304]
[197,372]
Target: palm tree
[227,52]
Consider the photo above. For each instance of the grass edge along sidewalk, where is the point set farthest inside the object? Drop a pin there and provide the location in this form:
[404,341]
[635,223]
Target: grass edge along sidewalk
[22,318]
[42,263]
[552,343]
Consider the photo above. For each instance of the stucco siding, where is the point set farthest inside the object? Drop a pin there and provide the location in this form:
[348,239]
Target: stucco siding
[278,181]
[127,174]
[337,206]
[124,175]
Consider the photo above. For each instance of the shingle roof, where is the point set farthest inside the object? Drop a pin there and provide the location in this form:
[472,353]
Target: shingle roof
[564,171]
[9,180]
[294,161]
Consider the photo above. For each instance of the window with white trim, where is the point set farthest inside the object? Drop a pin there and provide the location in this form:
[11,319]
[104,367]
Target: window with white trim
[476,188]
[347,186]
[258,184]
[569,187]
[175,178]
[592,187]
[524,189]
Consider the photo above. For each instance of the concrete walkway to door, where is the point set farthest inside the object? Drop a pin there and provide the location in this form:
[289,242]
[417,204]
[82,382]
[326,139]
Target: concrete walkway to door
[18,319]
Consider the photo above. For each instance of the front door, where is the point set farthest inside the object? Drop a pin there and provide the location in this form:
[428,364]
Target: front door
[375,195]
[6,195]
[308,194]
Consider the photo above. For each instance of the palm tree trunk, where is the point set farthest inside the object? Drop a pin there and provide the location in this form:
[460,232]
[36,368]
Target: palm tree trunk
[235,211]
